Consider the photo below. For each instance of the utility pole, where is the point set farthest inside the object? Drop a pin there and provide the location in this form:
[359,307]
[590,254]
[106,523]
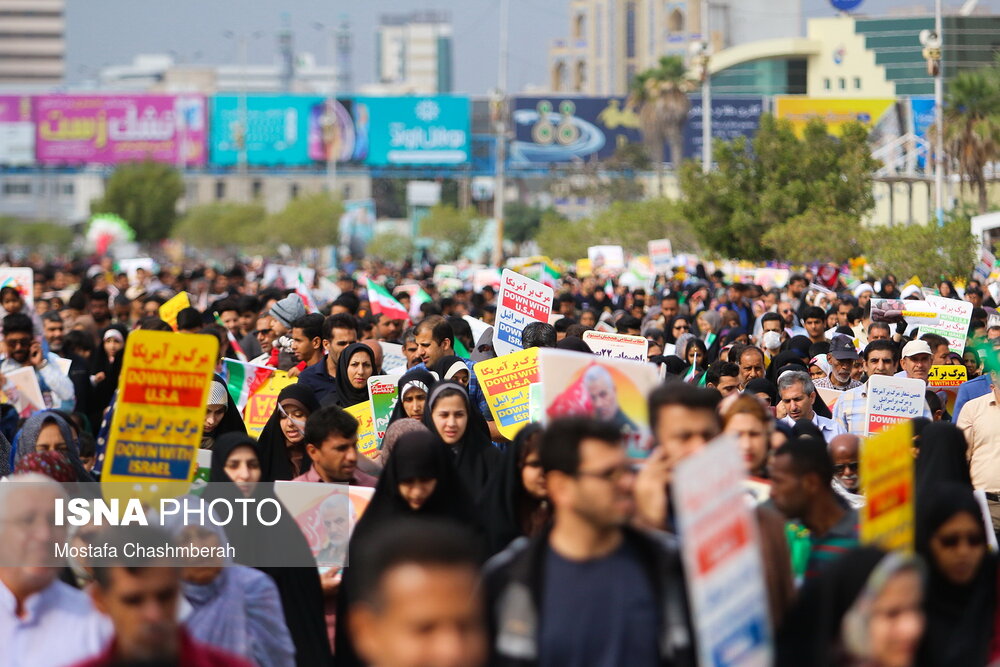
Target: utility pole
[939,118]
[706,94]
[500,111]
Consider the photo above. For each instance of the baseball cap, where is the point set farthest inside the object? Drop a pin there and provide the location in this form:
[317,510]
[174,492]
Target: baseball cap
[842,348]
[915,347]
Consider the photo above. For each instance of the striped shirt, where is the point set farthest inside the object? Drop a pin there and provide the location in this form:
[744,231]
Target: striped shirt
[826,548]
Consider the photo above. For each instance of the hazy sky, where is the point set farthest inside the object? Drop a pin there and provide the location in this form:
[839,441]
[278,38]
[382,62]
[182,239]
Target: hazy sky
[105,32]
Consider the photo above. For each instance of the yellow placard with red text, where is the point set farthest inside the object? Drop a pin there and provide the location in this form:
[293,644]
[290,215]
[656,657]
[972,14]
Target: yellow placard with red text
[169,310]
[261,403]
[367,439]
[505,383]
[887,475]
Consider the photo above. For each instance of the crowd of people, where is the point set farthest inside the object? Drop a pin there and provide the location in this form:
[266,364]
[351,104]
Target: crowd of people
[554,548]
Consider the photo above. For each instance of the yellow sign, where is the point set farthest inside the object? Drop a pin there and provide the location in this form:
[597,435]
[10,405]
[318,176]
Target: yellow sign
[887,476]
[261,403]
[367,439]
[505,383]
[947,376]
[157,425]
[835,112]
[583,268]
[169,310]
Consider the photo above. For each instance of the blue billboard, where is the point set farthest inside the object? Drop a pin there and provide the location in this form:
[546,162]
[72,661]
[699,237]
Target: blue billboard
[284,130]
[415,130]
[562,129]
[922,116]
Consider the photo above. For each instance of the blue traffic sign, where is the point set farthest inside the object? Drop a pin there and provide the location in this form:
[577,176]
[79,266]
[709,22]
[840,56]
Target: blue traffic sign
[845,5]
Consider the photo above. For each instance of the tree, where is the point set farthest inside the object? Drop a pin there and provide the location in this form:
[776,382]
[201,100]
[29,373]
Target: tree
[972,126]
[521,222]
[223,224]
[763,183]
[818,235]
[390,247]
[660,95]
[307,221]
[929,251]
[452,230]
[35,235]
[145,195]
[628,224]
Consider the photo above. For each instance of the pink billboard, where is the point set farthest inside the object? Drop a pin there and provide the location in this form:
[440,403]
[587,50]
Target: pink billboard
[108,129]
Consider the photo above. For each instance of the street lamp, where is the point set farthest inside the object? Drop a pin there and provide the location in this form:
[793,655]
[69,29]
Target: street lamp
[239,129]
[700,56]
[932,42]
[328,120]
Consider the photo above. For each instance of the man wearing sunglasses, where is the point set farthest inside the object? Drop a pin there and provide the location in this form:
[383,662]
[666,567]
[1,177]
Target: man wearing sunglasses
[22,350]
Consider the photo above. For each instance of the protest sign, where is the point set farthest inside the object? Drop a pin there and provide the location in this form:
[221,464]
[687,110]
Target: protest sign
[326,514]
[617,346]
[830,396]
[521,301]
[485,277]
[162,391]
[261,402]
[484,347]
[720,548]
[984,265]
[887,471]
[286,277]
[23,391]
[382,395]
[393,358]
[132,265]
[367,442]
[23,280]
[612,390]
[953,317]
[606,258]
[661,255]
[478,327]
[505,381]
[892,400]
[536,406]
[944,381]
[893,311]
[174,305]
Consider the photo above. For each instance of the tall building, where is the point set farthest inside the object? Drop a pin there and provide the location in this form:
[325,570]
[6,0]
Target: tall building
[413,54]
[32,42]
[611,40]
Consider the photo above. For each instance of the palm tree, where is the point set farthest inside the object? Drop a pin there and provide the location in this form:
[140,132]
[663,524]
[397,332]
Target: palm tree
[972,126]
[660,95]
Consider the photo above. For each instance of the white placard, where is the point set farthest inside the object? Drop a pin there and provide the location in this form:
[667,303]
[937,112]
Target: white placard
[617,346]
[521,301]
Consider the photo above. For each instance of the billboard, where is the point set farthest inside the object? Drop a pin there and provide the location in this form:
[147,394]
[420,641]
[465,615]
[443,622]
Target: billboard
[878,114]
[17,132]
[415,130]
[109,129]
[573,129]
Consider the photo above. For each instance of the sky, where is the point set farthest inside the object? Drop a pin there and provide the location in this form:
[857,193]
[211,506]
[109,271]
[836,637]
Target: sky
[112,32]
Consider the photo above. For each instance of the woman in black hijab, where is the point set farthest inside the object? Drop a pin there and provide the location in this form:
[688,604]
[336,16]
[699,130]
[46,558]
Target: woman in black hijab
[450,416]
[515,502]
[235,464]
[419,482]
[452,367]
[940,458]
[762,387]
[357,361]
[961,598]
[414,386]
[282,440]
[230,421]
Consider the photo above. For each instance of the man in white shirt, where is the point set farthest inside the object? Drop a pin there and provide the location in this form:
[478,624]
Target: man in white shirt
[42,620]
[798,395]
[917,360]
[23,350]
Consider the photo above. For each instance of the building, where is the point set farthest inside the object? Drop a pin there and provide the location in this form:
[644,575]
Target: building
[32,42]
[413,55]
[611,40]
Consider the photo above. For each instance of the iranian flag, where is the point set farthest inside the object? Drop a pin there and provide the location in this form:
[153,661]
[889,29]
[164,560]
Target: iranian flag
[243,379]
[302,289]
[419,297]
[233,343]
[382,302]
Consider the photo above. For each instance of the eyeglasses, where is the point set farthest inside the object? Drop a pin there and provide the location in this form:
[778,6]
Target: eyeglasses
[839,468]
[18,342]
[609,475]
[262,332]
[951,541]
[682,327]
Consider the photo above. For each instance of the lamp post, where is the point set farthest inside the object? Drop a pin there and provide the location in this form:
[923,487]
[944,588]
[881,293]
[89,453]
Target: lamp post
[700,56]
[240,128]
[932,41]
[328,120]
[500,119]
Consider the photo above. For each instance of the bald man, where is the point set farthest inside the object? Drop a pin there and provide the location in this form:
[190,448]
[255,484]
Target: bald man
[845,452]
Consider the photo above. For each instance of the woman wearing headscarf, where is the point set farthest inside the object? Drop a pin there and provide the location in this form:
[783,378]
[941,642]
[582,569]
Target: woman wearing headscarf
[419,481]
[709,322]
[50,463]
[941,457]
[105,366]
[961,597]
[678,326]
[221,414]
[355,366]
[237,466]
[864,610]
[451,417]
[47,431]
[282,440]
[515,502]
[414,386]
[763,389]
[452,367]
[233,607]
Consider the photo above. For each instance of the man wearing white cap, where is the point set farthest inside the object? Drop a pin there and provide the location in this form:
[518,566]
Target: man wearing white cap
[916,361]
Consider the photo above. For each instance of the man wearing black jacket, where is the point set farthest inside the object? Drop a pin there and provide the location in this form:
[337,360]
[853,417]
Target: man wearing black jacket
[590,590]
